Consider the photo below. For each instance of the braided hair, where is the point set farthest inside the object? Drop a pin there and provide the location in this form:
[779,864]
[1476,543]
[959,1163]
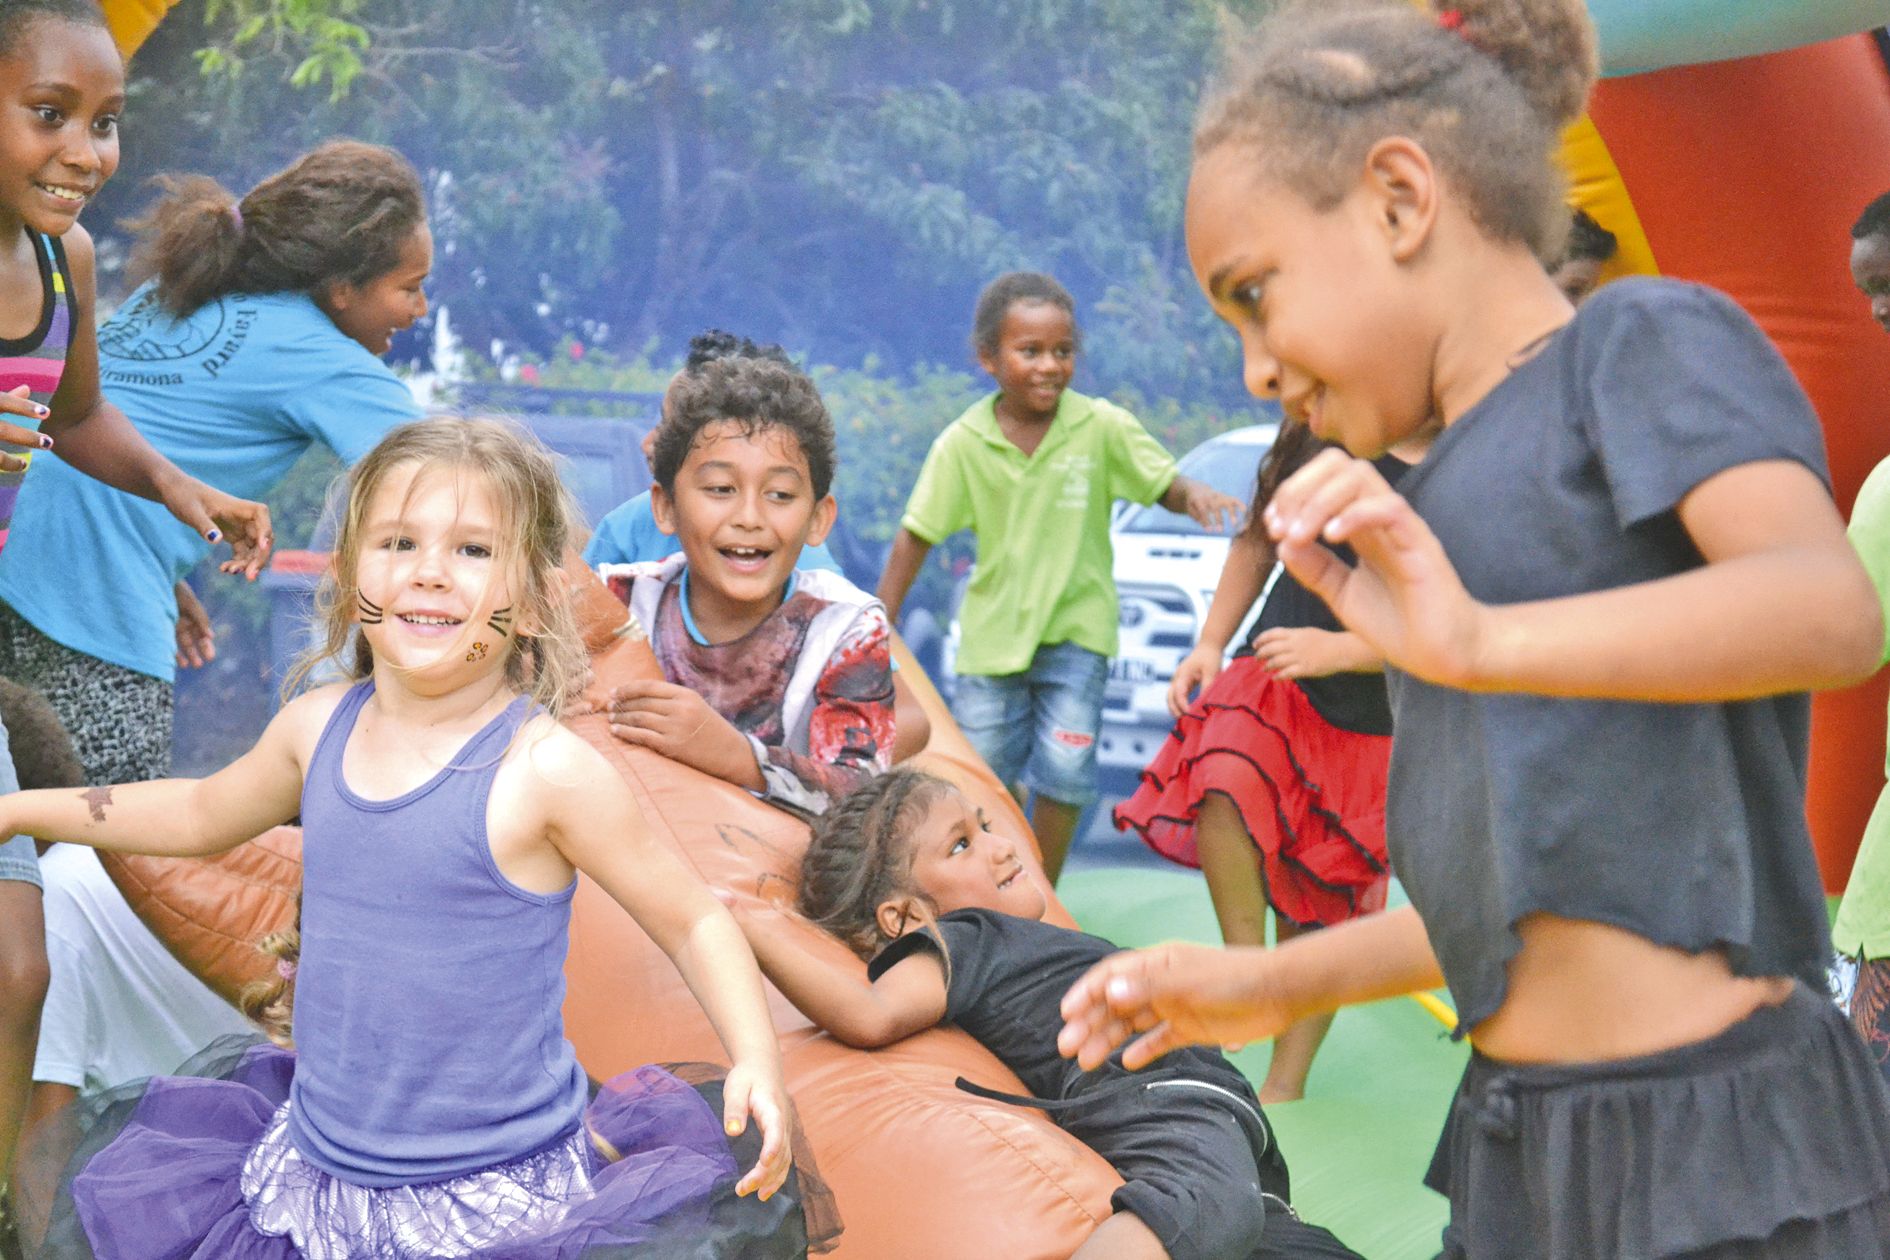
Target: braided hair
[861,857]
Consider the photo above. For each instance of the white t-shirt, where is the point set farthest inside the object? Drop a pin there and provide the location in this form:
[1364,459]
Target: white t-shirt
[119,1007]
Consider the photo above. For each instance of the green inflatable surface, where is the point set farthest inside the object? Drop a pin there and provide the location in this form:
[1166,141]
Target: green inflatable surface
[1358,1144]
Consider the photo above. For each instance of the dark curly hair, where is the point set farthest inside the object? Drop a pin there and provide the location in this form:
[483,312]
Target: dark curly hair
[1486,88]
[339,214]
[43,756]
[1587,239]
[987,320]
[861,856]
[757,394]
[17,15]
[713,344]
[1875,220]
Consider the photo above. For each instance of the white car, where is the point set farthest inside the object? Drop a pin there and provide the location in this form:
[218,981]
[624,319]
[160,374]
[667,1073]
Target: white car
[1166,569]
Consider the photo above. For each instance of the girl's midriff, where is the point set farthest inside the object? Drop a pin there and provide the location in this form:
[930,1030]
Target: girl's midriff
[1583,992]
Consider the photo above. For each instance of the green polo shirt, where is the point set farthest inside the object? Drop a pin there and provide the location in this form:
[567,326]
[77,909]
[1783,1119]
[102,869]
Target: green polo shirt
[1863,918]
[1042,521]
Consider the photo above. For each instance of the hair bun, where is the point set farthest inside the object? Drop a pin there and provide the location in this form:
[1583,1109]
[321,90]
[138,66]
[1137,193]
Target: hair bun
[1546,46]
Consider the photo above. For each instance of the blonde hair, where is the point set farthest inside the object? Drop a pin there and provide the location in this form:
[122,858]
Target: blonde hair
[1486,88]
[548,661]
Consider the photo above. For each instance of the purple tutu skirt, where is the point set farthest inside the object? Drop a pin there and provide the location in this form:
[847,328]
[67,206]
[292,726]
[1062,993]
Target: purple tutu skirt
[198,1167]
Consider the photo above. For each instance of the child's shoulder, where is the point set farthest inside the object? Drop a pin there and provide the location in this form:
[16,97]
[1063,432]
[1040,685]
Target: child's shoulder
[1658,302]
[303,719]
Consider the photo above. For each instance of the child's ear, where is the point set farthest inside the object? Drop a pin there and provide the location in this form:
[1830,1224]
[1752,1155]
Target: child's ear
[825,513]
[987,361]
[898,915]
[662,509]
[336,297]
[1402,182]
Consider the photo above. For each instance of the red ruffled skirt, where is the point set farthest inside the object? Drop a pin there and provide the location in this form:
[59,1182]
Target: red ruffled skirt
[1310,795]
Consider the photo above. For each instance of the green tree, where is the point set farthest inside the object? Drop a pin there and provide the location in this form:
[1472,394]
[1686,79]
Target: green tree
[840,175]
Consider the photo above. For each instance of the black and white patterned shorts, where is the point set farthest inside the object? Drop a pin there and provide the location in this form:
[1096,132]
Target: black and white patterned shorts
[119,719]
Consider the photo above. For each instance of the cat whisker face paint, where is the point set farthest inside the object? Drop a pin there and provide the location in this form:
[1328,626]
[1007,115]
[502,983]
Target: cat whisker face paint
[501,620]
[371,613]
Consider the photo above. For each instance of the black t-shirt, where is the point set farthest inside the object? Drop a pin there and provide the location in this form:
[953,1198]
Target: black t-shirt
[1684,823]
[1007,980]
[1352,701]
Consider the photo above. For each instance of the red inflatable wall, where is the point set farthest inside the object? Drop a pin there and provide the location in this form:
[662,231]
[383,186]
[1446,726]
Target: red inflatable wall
[1747,175]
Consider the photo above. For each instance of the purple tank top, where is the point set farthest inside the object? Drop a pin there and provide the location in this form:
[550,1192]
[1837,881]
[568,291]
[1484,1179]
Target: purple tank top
[38,359]
[428,1031]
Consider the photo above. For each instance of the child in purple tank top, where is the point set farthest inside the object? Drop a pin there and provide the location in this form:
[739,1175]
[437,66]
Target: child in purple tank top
[446,814]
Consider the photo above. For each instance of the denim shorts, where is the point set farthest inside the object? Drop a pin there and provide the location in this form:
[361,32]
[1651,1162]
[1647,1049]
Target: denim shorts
[1039,727]
[19,859]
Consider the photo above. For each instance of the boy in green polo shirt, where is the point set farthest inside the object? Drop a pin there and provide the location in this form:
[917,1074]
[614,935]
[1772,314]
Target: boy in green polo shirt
[1033,470]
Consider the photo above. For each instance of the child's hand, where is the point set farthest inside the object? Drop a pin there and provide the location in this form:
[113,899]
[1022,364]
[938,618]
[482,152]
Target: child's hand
[679,724]
[1174,995]
[1404,597]
[18,402]
[1301,652]
[1197,669]
[218,517]
[747,1092]
[1213,511]
[196,637]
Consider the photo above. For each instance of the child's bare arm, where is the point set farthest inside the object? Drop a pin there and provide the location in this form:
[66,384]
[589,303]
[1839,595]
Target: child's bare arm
[902,568]
[1177,995]
[593,821]
[1781,604]
[96,438]
[1209,508]
[827,984]
[182,817]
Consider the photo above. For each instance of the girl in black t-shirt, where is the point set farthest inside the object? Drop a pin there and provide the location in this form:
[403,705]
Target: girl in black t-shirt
[1602,595]
[909,875]
[1273,781]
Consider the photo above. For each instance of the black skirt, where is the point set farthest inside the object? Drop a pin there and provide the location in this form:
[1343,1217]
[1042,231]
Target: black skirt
[1771,1139]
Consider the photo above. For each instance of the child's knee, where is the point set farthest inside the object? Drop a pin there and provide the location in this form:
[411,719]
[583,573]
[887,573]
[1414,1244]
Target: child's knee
[25,976]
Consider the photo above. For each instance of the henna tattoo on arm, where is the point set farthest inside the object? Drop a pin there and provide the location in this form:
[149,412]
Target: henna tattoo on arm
[96,799]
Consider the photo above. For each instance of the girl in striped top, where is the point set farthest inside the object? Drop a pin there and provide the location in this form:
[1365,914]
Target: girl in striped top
[62,85]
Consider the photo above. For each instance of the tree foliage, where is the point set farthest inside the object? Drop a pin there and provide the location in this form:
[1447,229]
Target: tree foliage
[839,175]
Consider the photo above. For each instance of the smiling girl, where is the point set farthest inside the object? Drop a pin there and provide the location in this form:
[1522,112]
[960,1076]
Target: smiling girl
[1603,596]
[62,87]
[432,1107]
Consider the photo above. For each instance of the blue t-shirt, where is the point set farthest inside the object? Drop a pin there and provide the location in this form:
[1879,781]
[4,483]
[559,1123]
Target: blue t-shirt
[233,394]
[628,535]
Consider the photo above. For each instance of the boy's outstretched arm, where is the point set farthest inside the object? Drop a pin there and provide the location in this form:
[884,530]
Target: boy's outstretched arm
[1209,508]
[826,983]
[182,817]
[902,568]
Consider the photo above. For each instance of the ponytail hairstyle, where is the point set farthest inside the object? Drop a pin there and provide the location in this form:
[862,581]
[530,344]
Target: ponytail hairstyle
[861,858]
[16,16]
[339,214]
[270,1004]
[1485,86]
[1293,448]
[547,660]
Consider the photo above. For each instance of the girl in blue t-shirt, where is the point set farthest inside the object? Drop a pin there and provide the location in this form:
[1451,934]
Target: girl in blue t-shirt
[1602,595]
[63,84]
[433,1106]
